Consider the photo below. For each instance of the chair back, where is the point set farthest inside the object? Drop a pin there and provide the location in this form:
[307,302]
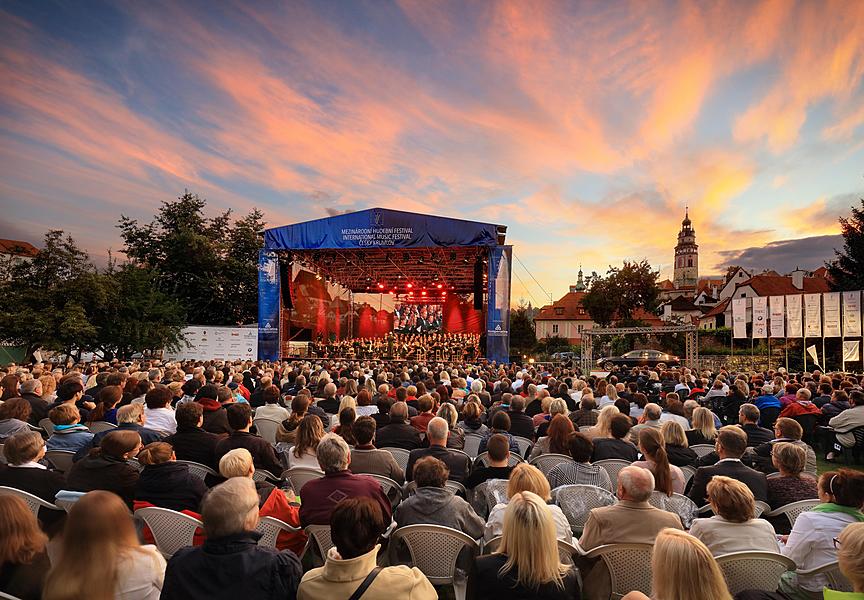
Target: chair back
[100,426]
[566,551]
[836,579]
[753,570]
[400,455]
[66,499]
[171,530]
[300,476]
[482,460]
[688,473]
[702,449]
[547,462]
[134,462]
[61,459]
[495,492]
[792,510]
[613,466]
[391,489]
[576,502]
[270,528]
[434,550]
[34,503]
[266,428]
[472,444]
[319,535]
[524,444]
[457,488]
[761,507]
[629,566]
[681,505]
[47,426]
[263,475]
[198,470]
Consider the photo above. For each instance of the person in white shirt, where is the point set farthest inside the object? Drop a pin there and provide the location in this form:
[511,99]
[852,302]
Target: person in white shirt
[271,409]
[158,413]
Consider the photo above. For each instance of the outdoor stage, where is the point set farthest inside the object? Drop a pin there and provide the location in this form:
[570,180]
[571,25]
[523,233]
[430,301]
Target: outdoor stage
[361,278]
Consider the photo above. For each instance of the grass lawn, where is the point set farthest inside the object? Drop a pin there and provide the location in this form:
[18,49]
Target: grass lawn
[823,465]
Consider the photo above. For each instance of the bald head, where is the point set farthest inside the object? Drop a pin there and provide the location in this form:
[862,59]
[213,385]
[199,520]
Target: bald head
[436,432]
[653,411]
[635,484]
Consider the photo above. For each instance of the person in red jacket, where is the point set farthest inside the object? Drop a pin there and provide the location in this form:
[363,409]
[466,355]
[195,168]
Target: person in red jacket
[800,406]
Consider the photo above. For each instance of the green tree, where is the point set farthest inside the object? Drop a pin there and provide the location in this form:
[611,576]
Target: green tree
[523,336]
[210,265]
[616,297]
[846,271]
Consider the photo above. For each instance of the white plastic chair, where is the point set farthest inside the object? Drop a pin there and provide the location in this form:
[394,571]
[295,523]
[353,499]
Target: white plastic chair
[391,489]
[400,455]
[134,462]
[263,475]
[198,470]
[688,472]
[702,449]
[761,508]
[270,528]
[547,462]
[629,566]
[2,456]
[100,426]
[565,551]
[613,466]
[171,530]
[319,535]
[436,550]
[472,444]
[577,501]
[300,476]
[482,460]
[266,428]
[495,492]
[753,570]
[836,579]
[792,510]
[681,505]
[61,459]
[524,445]
[34,503]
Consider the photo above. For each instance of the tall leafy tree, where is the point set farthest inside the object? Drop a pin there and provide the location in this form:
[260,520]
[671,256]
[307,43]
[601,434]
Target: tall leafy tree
[847,269]
[616,297]
[209,265]
[523,336]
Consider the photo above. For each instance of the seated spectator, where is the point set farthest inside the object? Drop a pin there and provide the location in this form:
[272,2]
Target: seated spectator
[166,483]
[320,496]
[527,478]
[272,501]
[674,411]
[434,504]
[32,391]
[70,391]
[356,525]
[586,415]
[848,420]
[811,543]
[527,564]
[677,448]
[192,442]
[287,430]
[329,403]
[304,452]
[838,403]
[682,567]
[801,405]
[472,417]
[500,425]
[398,433]
[557,406]
[785,430]
[240,420]
[733,528]
[617,446]
[23,452]
[650,419]
[704,430]
[768,405]
[231,564]
[365,458]
[215,415]
[555,442]
[455,437]
[129,418]
[426,406]
[106,467]
[730,445]
[107,404]
[458,463]
[271,409]
[667,478]
[23,556]
[347,416]
[748,419]
[581,471]
[850,556]
[520,423]
[603,427]
[99,554]
[14,414]
[158,413]
[68,433]
[790,486]
[499,457]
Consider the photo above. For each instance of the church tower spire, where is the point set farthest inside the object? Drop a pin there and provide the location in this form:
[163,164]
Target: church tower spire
[686,255]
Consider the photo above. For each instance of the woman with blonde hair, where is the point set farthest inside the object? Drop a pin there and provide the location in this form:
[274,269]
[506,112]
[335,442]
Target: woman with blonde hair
[303,452]
[347,402]
[676,444]
[23,559]
[455,437]
[683,569]
[610,396]
[603,428]
[527,564]
[527,478]
[667,478]
[704,431]
[100,557]
[49,387]
[850,555]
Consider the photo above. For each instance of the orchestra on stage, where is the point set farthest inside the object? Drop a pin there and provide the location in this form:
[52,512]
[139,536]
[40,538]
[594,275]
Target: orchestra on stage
[438,346]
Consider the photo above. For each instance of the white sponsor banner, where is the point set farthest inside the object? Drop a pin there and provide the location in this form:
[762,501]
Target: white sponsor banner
[813,315]
[811,350]
[831,314]
[852,314]
[793,316]
[739,317]
[850,350]
[224,343]
[760,317]
[778,316]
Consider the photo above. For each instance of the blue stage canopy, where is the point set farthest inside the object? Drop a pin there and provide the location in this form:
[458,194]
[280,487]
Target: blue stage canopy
[381,228]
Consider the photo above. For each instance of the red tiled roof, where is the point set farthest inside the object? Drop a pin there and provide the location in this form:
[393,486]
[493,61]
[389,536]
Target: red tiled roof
[717,310]
[666,285]
[821,272]
[18,248]
[707,282]
[569,304]
[766,285]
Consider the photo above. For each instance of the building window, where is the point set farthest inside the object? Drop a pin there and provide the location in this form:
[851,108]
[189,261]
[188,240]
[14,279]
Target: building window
[689,262]
[743,294]
[581,311]
[579,328]
[559,310]
[555,329]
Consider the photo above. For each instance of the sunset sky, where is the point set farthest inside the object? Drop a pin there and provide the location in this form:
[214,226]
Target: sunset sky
[586,127]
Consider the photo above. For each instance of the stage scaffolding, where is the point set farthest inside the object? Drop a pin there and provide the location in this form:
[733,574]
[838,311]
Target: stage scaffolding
[691,341]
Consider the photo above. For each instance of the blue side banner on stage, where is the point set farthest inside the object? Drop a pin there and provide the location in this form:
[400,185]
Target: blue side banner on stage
[498,304]
[380,228]
[268,306]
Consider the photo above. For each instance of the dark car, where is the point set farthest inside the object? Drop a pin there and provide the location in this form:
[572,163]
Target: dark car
[639,358]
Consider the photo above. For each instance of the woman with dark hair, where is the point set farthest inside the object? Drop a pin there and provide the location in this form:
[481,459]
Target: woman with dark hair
[105,467]
[579,447]
[556,439]
[166,483]
[667,478]
[106,407]
[23,557]
[303,452]
[14,414]
[10,387]
[347,416]
[287,429]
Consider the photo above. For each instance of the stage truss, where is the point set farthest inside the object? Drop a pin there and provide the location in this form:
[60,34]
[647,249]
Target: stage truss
[691,341]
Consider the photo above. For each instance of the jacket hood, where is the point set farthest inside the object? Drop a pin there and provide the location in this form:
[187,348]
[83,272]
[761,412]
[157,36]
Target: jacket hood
[209,404]
[431,500]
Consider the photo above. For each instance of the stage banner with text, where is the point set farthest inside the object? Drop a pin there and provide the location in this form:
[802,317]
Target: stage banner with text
[498,304]
[852,314]
[760,317]
[778,316]
[216,343]
[794,322]
[739,317]
[831,314]
[812,315]
[268,306]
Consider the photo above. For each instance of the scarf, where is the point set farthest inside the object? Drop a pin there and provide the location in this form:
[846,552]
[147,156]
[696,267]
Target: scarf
[831,507]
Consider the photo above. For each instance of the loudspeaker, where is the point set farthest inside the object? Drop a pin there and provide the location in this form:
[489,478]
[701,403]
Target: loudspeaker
[478,285]
[285,284]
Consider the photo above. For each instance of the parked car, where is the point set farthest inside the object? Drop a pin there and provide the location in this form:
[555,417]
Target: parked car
[565,356]
[639,358]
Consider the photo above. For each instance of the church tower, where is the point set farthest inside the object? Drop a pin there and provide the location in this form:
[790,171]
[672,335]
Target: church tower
[686,256]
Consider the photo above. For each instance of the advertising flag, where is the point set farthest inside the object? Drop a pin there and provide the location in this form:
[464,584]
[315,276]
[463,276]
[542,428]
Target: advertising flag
[813,315]
[760,317]
[778,316]
[852,314]
[793,316]
[851,349]
[831,314]
[811,350]
[739,317]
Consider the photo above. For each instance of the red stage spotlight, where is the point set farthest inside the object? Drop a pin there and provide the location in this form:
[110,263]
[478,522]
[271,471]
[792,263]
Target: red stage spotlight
[444,293]
[423,292]
[392,292]
[439,286]
[380,286]
[410,285]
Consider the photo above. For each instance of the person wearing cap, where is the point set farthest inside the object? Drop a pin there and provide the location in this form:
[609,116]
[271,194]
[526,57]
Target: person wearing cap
[768,405]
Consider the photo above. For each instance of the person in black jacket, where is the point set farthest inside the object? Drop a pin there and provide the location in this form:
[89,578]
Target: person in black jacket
[521,425]
[436,433]
[215,415]
[263,454]
[31,391]
[731,443]
[105,467]
[129,418]
[677,450]
[231,564]
[748,419]
[167,483]
[399,433]
[191,442]
[23,451]
[330,403]
[618,445]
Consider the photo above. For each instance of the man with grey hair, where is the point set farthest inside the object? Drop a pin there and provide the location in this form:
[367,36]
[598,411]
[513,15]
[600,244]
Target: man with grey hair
[650,420]
[31,391]
[436,434]
[631,521]
[320,496]
[231,564]
[330,403]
